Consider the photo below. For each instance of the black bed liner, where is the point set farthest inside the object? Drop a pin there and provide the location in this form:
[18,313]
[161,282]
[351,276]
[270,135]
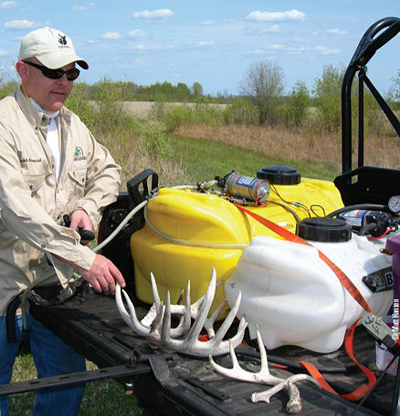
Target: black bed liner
[183,385]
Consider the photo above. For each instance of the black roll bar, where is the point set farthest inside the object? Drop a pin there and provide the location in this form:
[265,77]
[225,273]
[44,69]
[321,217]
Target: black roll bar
[366,49]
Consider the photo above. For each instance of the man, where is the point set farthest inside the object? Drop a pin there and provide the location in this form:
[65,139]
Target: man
[50,165]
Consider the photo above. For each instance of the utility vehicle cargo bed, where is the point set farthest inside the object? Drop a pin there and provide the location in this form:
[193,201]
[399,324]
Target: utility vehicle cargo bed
[183,385]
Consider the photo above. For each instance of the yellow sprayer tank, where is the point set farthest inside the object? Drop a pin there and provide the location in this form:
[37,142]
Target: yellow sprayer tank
[188,233]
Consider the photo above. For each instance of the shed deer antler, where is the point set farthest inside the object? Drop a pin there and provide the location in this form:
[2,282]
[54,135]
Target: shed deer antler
[265,377]
[156,325]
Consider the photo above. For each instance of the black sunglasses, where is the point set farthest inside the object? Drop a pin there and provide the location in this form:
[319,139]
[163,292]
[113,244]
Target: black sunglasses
[72,74]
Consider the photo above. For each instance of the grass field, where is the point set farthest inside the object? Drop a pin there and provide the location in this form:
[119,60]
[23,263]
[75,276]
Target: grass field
[101,397]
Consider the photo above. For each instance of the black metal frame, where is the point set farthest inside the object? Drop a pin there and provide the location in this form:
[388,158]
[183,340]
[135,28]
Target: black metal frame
[366,184]
[369,44]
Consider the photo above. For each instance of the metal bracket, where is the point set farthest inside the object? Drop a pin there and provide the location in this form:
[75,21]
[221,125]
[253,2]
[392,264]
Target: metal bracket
[382,332]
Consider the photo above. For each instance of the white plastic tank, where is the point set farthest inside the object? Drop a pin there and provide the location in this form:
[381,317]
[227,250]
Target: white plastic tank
[296,299]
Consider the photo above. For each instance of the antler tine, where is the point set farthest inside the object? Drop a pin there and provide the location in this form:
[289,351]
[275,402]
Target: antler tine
[155,307]
[150,316]
[239,373]
[263,353]
[209,323]
[166,332]
[184,323]
[156,296]
[205,307]
[153,335]
[196,305]
[118,298]
[166,322]
[223,346]
[186,319]
[129,318]
[178,309]
[238,338]
[236,371]
[228,320]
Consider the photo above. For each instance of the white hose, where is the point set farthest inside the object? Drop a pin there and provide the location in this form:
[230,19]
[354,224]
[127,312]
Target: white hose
[46,276]
[188,242]
[120,226]
[194,187]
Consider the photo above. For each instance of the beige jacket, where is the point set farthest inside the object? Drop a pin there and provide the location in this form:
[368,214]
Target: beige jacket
[32,204]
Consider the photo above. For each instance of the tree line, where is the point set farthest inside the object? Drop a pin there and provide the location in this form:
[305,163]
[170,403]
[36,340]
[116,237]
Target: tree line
[261,99]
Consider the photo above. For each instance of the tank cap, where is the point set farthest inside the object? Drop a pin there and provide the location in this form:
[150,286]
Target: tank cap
[280,175]
[324,229]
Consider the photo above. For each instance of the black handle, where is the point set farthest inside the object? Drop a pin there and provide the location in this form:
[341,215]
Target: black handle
[86,235]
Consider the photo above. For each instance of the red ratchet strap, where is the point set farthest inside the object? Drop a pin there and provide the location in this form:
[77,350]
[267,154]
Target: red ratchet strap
[360,392]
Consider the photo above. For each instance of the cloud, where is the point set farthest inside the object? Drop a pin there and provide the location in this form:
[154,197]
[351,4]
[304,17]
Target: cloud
[141,47]
[296,49]
[111,35]
[137,33]
[205,43]
[277,46]
[337,31]
[324,50]
[3,52]
[19,24]
[82,8]
[259,16]
[153,14]
[7,4]
[207,23]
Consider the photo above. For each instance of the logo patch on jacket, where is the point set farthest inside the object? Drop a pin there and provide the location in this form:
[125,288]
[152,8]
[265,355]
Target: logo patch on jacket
[79,155]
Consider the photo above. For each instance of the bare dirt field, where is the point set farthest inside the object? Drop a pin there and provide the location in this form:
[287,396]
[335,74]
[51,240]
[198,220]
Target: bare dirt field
[142,109]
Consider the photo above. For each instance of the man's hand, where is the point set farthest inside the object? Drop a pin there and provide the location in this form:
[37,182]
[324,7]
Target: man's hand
[103,274]
[80,219]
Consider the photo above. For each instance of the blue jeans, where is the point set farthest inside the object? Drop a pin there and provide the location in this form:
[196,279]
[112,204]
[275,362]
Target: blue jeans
[52,357]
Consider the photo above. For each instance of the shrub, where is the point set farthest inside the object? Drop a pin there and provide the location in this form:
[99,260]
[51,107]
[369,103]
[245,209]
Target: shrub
[241,111]
[79,103]
[327,92]
[7,84]
[155,141]
[175,116]
[294,110]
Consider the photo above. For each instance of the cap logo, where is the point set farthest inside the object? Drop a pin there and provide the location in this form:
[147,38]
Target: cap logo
[62,39]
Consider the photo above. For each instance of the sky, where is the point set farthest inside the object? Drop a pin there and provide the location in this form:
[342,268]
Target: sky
[207,41]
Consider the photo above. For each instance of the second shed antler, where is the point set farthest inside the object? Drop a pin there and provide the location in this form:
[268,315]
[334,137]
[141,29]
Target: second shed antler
[265,377]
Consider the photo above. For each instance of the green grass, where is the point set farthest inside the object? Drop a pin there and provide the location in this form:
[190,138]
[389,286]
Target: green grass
[101,398]
[204,159]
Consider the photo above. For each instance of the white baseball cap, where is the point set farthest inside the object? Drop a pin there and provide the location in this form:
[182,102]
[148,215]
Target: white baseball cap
[51,47]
